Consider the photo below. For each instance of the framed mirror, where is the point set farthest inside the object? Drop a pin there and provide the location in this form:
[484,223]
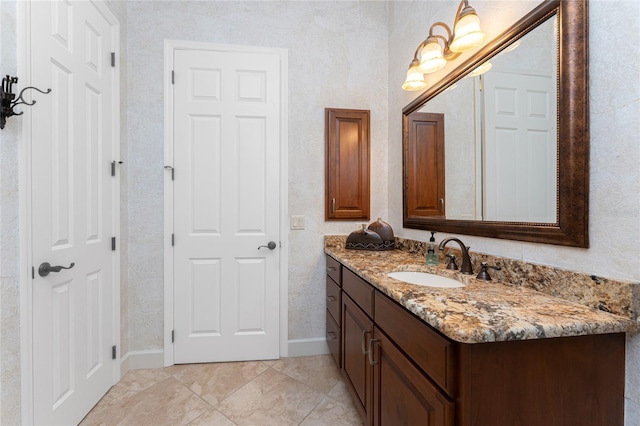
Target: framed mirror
[476,163]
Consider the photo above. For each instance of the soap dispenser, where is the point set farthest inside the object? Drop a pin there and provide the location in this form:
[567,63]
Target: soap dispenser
[432,256]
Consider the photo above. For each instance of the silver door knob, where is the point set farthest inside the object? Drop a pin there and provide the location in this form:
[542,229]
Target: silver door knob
[270,245]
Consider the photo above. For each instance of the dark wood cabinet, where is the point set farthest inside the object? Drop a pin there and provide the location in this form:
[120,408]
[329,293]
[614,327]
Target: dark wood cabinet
[401,371]
[357,330]
[346,164]
[424,171]
[402,394]
[334,309]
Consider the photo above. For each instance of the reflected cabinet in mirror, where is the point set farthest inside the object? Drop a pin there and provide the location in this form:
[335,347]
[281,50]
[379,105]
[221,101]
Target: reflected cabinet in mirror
[505,153]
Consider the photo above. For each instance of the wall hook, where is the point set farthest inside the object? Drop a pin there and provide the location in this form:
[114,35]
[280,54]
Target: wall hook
[7,97]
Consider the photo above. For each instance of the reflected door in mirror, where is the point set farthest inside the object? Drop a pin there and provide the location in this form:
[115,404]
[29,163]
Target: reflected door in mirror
[520,173]
[424,167]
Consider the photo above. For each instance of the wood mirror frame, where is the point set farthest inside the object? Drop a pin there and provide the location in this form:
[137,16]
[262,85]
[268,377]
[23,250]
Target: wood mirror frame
[572,226]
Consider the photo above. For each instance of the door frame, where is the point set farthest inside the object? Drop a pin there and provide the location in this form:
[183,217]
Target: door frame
[170,46]
[23,23]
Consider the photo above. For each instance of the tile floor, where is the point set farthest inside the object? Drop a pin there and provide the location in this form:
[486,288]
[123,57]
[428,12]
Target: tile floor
[290,391]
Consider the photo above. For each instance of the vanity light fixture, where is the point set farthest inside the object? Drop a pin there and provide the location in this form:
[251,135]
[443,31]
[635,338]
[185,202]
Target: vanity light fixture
[430,56]
[7,102]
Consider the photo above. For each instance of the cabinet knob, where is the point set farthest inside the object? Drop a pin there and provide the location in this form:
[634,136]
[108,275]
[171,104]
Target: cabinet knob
[331,335]
[331,298]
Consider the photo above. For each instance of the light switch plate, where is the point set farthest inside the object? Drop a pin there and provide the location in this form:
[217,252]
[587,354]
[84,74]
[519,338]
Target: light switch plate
[297,222]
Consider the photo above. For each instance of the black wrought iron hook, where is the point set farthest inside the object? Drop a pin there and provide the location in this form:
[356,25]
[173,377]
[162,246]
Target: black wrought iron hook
[7,102]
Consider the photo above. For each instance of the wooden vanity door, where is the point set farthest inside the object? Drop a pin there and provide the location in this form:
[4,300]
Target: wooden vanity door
[357,329]
[402,394]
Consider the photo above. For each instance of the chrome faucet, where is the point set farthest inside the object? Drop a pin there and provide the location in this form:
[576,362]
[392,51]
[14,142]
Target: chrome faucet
[466,267]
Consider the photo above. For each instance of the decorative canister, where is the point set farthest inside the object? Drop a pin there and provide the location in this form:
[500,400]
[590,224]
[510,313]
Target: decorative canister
[385,231]
[364,239]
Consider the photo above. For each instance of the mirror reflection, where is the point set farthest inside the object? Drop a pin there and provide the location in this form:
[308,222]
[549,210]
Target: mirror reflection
[500,135]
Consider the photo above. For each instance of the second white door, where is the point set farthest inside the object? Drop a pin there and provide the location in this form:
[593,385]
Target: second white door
[226,154]
[520,147]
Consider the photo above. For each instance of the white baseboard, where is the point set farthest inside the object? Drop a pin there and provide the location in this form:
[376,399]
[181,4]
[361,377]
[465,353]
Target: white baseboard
[308,347]
[136,360]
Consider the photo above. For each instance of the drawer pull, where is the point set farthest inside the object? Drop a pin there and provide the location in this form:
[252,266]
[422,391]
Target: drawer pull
[331,335]
[331,298]
[371,360]
[331,268]
[364,340]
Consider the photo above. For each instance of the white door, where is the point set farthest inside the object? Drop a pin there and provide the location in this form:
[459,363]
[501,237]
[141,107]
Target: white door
[226,205]
[72,209]
[520,147]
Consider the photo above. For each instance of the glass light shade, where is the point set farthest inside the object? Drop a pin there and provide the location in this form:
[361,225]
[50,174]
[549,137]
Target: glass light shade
[481,69]
[415,79]
[431,59]
[467,33]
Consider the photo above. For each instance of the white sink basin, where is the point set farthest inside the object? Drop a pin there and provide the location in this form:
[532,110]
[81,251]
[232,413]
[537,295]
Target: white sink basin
[426,279]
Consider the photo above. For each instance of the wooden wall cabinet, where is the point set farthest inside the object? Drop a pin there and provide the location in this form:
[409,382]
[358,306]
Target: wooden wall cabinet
[401,371]
[346,164]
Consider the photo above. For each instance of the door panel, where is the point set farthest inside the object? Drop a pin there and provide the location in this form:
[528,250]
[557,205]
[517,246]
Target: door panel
[226,205]
[72,209]
[521,137]
[403,395]
[357,329]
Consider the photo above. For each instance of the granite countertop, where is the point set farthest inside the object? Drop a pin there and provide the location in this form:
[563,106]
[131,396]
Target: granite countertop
[483,311]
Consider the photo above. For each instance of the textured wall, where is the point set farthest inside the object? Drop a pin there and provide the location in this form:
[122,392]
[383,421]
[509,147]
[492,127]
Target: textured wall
[9,235]
[614,222]
[337,58]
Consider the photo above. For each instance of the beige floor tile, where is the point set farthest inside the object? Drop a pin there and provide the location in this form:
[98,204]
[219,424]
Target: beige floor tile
[340,392]
[212,418]
[214,382]
[270,362]
[133,382]
[271,399]
[331,413]
[165,403]
[319,372]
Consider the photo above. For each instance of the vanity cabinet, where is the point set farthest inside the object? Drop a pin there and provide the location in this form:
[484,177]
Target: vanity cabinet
[357,330]
[334,303]
[402,393]
[402,371]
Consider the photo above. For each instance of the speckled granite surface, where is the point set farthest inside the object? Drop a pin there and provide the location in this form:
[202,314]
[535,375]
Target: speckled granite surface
[481,311]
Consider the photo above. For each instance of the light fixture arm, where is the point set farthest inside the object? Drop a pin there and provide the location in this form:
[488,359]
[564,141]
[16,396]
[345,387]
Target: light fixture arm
[464,3]
[7,97]
[446,41]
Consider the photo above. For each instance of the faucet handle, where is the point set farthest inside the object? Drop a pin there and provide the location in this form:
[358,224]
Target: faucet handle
[452,262]
[483,275]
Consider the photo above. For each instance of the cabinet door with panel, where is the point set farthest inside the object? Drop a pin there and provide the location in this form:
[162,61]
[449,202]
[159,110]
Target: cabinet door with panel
[334,309]
[402,394]
[357,330]
[347,164]
[424,185]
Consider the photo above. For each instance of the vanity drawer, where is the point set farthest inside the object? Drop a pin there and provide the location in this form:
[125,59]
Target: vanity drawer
[334,269]
[360,291]
[333,338]
[433,353]
[333,300]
